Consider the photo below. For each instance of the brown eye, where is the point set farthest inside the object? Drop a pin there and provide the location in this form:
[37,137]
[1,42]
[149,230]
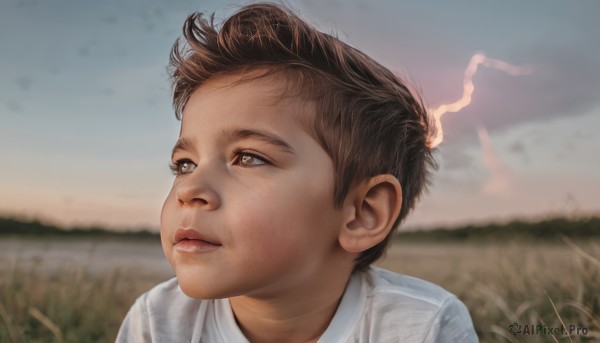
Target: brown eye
[186,167]
[181,167]
[250,160]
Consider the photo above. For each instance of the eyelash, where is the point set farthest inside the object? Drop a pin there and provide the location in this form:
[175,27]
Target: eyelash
[174,166]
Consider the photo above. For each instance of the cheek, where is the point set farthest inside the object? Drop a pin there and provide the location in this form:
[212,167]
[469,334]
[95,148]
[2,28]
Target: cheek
[284,220]
[167,210]
[166,223]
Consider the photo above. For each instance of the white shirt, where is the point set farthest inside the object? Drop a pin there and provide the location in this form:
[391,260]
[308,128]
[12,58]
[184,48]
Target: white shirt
[377,306]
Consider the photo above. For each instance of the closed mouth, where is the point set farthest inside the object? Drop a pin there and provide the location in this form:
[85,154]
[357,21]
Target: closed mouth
[193,235]
[197,240]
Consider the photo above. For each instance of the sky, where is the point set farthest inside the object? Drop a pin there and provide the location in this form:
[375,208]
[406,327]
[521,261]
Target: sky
[86,123]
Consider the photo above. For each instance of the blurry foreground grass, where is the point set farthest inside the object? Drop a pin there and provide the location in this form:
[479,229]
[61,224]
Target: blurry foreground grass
[67,306]
[501,283]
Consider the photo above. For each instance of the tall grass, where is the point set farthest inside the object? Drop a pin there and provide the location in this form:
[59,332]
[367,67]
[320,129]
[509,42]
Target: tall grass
[501,284]
[528,290]
[65,306]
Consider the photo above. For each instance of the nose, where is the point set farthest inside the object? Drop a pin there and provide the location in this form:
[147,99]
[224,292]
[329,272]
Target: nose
[195,190]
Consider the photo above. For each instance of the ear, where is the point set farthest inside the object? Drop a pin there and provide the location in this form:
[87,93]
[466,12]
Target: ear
[370,210]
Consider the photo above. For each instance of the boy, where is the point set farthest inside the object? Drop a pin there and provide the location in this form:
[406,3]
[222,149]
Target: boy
[297,157]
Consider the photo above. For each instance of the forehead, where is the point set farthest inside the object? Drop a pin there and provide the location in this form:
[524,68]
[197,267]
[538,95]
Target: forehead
[248,98]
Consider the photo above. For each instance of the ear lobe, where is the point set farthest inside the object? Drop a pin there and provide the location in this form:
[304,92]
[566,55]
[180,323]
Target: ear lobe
[372,208]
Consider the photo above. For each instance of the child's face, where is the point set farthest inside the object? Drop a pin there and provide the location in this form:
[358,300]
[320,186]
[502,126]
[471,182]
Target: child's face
[269,208]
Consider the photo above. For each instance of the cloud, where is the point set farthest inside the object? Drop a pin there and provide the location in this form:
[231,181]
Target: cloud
[516,147]
[565,83]
[454,157]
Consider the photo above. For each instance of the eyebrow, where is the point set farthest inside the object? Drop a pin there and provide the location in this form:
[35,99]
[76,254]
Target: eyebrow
[182,144]
[239,134]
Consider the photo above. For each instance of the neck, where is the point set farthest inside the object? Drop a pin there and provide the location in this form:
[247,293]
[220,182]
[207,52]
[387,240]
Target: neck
[298,314]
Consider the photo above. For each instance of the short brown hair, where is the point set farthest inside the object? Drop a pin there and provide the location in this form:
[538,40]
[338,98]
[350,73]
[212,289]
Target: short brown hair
[365,118]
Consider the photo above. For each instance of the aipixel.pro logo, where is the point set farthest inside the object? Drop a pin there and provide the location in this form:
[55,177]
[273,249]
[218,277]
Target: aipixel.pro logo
[538,329]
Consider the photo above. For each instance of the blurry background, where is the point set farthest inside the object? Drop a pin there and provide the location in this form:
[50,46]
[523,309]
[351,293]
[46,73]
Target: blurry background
[86,129]
[86,124]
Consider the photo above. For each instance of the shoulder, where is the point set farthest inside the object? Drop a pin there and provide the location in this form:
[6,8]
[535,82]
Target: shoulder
[415,310]
[385,283]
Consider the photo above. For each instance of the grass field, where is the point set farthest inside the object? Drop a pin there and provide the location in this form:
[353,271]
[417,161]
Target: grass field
[528,283]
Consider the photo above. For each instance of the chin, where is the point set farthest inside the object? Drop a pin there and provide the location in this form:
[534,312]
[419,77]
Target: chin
[197,288]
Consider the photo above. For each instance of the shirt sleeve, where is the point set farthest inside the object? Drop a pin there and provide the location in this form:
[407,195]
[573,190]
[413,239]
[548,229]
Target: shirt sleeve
[452,324]
[135,327]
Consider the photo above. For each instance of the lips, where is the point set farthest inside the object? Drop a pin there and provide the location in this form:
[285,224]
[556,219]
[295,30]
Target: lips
[191,241]
[190,234]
